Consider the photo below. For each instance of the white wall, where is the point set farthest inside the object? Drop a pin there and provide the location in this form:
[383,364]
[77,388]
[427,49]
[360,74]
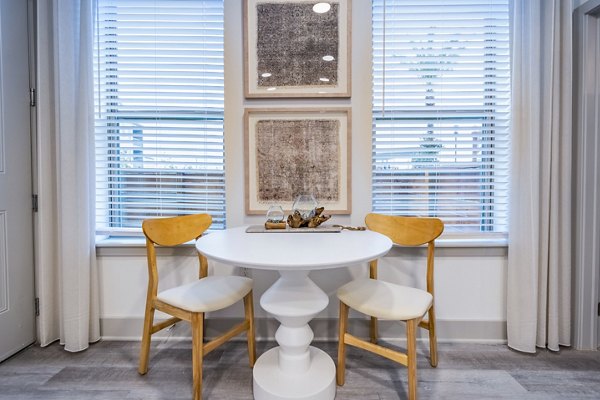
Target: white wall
[470,287]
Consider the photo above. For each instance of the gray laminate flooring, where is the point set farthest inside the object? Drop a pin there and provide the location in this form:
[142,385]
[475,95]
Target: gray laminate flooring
[108,370]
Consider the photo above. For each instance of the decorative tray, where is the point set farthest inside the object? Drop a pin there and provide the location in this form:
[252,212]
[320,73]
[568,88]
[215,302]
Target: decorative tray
[319,229]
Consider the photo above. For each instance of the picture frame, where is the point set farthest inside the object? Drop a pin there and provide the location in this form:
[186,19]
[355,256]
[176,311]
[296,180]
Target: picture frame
[291,51]
[289,152]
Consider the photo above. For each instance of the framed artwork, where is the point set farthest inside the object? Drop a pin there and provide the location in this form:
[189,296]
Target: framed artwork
[297,48]
[297,151]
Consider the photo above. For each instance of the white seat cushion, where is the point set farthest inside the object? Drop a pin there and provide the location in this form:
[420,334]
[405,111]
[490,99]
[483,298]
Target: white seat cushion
[207,294]
[384,299]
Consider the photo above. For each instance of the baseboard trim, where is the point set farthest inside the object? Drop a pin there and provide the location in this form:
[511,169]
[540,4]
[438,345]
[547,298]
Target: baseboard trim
[325,329]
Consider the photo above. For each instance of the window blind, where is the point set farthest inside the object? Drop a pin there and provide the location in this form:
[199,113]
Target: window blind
[441,108]
[158,112]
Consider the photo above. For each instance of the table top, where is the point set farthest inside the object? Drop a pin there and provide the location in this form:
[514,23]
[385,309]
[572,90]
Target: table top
[287,251]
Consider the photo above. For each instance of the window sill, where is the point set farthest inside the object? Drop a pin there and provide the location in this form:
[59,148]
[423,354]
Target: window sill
[492,240]
[447,245]
[104,241]
[449,240]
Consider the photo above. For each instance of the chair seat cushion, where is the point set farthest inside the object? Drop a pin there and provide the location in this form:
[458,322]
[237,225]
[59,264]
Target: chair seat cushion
[207,294]
[384,299]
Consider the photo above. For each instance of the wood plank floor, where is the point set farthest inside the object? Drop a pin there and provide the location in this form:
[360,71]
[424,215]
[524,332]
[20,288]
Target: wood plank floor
[108,370]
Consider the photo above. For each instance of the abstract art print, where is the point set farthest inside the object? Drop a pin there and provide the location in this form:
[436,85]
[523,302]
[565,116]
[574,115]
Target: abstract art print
[293,152]
[297,48]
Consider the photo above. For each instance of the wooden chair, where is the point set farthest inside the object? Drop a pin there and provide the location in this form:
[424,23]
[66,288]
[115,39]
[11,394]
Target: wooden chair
[380,299]
[190,302]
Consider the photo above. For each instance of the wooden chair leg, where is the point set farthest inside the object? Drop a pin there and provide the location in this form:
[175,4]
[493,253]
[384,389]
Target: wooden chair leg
[411,345]
[146,337]
[250,335]
[374,333]
[433,356]
[197,354]
[373,275]
[343,324]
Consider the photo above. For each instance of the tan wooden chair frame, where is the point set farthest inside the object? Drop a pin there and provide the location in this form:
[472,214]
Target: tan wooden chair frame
[404,231]
[172,232]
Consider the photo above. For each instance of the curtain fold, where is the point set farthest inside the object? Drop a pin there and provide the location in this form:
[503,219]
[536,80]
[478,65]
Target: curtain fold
[539,252]
[66,274]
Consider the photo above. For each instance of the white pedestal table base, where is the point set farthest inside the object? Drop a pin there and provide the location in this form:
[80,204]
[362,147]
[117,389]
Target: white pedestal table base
[294,369]
[318,383]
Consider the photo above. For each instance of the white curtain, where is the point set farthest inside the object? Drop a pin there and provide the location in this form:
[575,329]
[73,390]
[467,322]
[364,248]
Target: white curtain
[66,276]
[539,253]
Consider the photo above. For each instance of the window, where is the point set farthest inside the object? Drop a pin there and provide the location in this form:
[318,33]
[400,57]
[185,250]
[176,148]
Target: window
[159,112]
[441,108]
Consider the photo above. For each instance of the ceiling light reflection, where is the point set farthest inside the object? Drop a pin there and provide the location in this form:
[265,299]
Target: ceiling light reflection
[324,79]
[265,74]
[321,8]
[328,58]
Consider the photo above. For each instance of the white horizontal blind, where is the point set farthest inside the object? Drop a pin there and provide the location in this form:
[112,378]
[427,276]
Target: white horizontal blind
[441,108]
[159,112]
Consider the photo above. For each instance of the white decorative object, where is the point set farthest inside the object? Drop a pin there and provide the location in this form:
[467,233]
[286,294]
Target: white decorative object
[294,369]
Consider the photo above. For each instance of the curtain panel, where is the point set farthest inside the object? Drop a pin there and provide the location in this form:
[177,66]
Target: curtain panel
[66,275]
[539,253]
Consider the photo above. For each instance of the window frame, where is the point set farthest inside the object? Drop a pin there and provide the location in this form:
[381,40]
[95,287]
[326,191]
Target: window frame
[199,188]
[384,114]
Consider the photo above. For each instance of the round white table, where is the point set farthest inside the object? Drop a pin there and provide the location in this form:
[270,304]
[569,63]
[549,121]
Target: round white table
[294,369]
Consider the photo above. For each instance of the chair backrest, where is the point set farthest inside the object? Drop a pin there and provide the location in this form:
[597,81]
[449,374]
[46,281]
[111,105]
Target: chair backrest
[176,230]
[172,232]
[408,231]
